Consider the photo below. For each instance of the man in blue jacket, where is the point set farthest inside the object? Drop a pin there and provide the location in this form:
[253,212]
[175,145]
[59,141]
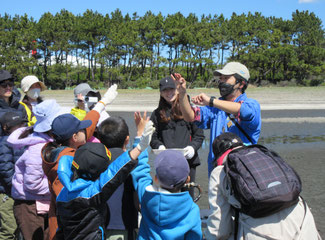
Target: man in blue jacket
[215,114]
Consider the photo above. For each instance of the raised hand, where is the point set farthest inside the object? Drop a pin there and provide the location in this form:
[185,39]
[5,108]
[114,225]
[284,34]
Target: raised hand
[110,95]
[146,136]
[140,122]
[180,83]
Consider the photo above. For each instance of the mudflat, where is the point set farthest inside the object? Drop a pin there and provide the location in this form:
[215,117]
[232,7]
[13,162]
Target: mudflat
[270,98]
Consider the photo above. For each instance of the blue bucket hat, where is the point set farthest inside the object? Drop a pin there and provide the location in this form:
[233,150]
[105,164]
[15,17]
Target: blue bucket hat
[172,169]
[65,125]
[45,112]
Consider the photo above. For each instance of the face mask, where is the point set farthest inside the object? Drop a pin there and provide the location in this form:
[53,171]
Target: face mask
[34,93]
[225,89]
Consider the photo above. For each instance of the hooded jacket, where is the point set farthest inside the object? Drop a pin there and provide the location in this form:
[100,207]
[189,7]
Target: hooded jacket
[8,157]
[295,222]
[165,215]
[50,166]
[81,204]
[13,106]
[29,181]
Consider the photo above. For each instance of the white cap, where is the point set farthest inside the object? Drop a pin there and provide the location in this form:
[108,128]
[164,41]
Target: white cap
[234,68]
[28,81]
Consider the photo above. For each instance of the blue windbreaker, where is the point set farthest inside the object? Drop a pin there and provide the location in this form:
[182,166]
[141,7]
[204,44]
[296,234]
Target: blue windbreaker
[218,122]
[81,204]
[164,215]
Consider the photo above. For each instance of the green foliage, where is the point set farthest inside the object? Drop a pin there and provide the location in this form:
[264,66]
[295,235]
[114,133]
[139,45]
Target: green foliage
[137,51]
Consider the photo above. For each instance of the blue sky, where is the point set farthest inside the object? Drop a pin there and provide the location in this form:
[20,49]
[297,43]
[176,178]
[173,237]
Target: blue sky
[277,8]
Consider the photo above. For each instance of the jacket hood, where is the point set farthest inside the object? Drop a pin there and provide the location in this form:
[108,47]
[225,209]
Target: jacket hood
[159,209]
[32,139]
[50,154]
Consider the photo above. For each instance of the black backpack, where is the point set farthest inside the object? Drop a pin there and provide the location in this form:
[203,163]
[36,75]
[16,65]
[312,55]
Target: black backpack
[261,180]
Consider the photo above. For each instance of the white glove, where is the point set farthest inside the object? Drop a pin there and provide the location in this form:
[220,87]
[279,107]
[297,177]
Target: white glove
[110,95]
[189,152]
[108,98]
[146,136]
[162,147]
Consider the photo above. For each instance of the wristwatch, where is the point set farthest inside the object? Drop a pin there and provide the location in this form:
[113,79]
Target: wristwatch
[211,101]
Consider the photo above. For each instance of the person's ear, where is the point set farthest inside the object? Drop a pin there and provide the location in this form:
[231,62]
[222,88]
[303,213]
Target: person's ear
[126,141]
[156,180]
[74,138]
[188,180]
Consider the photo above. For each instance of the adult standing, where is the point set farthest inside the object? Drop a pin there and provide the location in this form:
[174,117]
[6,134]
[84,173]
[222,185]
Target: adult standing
[9,96]
[32,87]
[215,114]
[171,129]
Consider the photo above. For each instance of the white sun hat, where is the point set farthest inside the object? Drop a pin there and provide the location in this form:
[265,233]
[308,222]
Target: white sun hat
[28,81]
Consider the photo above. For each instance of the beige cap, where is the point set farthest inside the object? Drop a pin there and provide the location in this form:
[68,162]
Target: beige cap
[234,68]
[28,81]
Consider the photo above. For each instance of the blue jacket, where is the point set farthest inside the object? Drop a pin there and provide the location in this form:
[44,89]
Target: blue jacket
[8,157]
[164,215]
[81,204]
[218,122]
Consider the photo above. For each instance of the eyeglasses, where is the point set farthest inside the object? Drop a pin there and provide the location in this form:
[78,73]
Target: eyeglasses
[6,84]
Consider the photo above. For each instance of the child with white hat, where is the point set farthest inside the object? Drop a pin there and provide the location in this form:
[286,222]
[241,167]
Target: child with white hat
[32,87]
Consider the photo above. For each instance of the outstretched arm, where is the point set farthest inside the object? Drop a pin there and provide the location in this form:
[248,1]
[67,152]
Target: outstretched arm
[185,106]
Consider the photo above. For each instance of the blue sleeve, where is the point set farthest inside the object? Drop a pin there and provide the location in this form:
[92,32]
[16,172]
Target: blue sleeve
[250,114]
[7,166]
[206,116]
[141,175]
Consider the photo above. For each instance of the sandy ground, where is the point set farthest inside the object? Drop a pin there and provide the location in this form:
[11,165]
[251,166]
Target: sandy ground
[269,98]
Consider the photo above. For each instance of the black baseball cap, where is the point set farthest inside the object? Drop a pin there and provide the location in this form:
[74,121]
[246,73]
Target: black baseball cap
[167,82]
[12,119]
[5,75]
[90,160]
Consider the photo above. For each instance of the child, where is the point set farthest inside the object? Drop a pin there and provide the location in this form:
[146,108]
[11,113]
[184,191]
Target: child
[32,87]
[69,133]
[167,213]
[294,222]
[123,204]
[94,177]
[85,100]
[10,121]
[30,187]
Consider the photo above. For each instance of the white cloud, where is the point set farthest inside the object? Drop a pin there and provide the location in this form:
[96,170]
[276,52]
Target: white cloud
[307,1]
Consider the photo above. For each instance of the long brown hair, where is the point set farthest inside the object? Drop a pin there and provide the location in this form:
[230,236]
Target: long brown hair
[175,110]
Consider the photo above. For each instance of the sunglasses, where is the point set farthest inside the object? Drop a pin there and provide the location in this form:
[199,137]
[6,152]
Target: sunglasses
[6,84]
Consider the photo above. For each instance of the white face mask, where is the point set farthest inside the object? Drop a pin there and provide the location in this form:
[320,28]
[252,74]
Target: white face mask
[34,93]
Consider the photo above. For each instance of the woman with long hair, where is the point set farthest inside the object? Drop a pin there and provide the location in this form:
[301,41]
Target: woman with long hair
[172,131]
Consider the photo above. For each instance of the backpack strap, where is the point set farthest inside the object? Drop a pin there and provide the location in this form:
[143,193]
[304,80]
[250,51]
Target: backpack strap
[239,127]
[236,222]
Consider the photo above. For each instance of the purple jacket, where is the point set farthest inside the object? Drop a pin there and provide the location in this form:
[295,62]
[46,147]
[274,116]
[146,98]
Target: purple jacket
[29,181]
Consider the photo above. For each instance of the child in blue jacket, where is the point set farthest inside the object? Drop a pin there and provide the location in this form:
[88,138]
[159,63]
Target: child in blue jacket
[89,183]
[167,213]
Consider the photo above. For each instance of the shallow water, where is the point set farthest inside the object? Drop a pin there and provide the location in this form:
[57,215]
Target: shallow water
[302,144]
